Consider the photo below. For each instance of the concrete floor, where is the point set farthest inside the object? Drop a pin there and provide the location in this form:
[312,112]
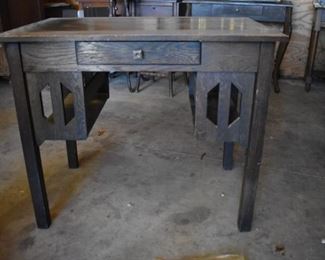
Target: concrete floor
[147,189]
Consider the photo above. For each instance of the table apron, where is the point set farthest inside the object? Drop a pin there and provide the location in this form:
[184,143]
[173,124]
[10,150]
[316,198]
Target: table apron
[193,56]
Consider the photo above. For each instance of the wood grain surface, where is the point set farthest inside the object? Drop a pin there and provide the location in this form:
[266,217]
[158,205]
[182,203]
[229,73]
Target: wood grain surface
[144,28]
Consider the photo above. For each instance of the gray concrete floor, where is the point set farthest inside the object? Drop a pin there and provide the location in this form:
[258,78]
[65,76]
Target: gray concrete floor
[144,189]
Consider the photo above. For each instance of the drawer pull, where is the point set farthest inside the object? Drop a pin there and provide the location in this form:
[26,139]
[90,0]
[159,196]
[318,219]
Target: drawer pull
[138,54]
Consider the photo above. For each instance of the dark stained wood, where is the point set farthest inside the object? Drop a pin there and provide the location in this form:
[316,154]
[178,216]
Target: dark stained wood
[256,138]
[237,131]
[45,57]
[154,7]
[72,153]
[228,156]
[55,127]
[236,59]
[16,13]
[82,105]
[220,58]
[287,29]
[101,53]
[318,23]
[144,29]
[29,144]
[262,11]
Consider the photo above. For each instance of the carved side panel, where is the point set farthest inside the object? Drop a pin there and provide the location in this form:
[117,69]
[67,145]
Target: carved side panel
[58,105]
[223,106]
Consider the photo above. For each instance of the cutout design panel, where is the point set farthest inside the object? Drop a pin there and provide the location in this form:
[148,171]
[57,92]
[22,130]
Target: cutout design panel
[57,105]
[46,103]
[223,106]
[68,104]
[235,104]
[212,105]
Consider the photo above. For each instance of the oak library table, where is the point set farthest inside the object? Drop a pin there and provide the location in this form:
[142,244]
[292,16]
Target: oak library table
[230,61]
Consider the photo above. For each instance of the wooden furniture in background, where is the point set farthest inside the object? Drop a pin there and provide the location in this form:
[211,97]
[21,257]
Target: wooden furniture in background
[15,13]
[231,58]
[266,12]
[97,8]
[154,7]
[72,3]
[318,24]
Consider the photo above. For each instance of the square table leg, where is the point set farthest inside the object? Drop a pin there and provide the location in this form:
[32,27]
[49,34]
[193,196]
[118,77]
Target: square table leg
[72,153]
[228,156]
[30,147]
[256,138]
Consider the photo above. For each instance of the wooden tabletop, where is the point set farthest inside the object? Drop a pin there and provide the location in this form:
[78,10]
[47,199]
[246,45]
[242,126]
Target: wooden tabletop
[144,29]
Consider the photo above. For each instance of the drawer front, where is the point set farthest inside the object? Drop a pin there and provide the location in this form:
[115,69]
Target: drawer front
[154,10]
[138,53]
[273,14]
[225,10]
[201,10]
[238,10]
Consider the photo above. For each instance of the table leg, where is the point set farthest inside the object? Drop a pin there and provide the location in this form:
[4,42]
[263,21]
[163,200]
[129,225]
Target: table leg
[132,6]
[175,9]
[30,147]
[72,153]
[228,158]
[126,6]
[256,138]
[287,29]
[137,86]
[312,50]
[191,93]
[171,83]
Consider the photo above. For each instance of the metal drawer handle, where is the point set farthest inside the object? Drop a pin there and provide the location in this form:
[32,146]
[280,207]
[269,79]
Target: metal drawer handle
[138,54]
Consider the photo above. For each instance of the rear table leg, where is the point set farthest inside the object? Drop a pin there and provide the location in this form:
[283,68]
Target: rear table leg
[72,153]
[228,158]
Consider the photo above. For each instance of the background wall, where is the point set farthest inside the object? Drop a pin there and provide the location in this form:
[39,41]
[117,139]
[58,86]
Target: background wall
[295,60]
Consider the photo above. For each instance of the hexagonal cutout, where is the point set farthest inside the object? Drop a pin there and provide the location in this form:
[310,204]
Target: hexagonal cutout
[235,104]
[46,103]
[68,104]
[212,104]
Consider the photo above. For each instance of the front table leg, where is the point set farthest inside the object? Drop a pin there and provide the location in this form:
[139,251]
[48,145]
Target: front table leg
[256,138]
[30,148]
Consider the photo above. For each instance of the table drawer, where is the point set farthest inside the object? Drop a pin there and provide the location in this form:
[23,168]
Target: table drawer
[226,10]
[162,53]
[238,10]
[154,10]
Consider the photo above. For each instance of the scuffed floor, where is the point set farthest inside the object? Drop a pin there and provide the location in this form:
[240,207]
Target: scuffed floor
[147,189]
